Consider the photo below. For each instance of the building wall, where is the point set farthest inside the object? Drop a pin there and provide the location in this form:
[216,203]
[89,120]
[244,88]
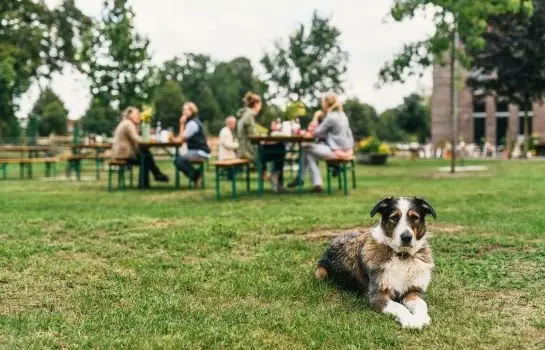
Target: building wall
[441,118]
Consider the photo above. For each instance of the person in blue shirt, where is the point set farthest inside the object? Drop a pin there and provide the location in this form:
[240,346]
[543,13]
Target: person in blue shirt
[192,133]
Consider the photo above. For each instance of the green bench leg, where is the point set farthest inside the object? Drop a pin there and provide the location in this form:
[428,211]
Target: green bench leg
[4,171]
[98,164]
[248,178]
[217,183]
[345,179]
[234,187]
[47,169]
[339,181]
[121,178]
[202,170]
[29,170]
[328,179]
[353,174]
[21,171]
[130,176]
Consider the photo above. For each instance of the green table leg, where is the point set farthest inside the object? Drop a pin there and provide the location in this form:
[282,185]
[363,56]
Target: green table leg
[217,183]
[4,171]
[300,171]
[259,171]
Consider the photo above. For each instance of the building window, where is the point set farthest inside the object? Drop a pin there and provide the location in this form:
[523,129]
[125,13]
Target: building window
[502,106]
[479,105]
[521,124]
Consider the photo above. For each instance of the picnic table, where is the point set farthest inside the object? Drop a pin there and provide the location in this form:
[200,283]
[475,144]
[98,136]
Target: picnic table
[295,140]
[98,148]
[163,145]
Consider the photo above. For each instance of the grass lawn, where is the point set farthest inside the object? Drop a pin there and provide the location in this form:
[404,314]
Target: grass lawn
[83,268]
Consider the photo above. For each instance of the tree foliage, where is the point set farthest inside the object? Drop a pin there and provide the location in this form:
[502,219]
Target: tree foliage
[470,17]
[363,117]
[414,117]
[512,63]
[309,65]
[100,119]
[35,41]
[116,58]
[52,113]
[168,103]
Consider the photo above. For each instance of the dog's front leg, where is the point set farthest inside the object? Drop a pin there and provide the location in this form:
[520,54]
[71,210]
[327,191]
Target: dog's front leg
[382,302]
[417,306]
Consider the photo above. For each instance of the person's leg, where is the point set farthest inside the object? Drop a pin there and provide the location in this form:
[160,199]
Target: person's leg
[184,165]
[136,162]
[150,165]
[275,153]
[314,154]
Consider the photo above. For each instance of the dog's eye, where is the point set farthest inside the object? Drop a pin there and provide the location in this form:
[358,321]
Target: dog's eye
[414,217]
[395,218]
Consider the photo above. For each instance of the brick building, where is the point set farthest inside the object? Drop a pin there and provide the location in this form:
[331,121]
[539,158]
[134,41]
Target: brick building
[480,119]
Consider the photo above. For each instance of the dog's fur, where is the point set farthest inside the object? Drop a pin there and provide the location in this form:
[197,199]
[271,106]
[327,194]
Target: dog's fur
[393,274]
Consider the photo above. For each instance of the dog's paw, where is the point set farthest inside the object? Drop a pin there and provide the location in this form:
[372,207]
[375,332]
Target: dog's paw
[415,321]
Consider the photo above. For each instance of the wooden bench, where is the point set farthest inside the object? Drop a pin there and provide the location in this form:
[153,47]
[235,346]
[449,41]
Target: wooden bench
[342,165]
[26,164]
[121,165]
[232,165]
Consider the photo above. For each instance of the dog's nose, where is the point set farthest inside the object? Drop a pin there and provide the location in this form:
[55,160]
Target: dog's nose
[406,238]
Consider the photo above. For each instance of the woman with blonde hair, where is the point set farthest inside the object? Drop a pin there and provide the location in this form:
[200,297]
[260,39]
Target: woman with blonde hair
[125,146]
[192,133]
[339,141]
[246,127]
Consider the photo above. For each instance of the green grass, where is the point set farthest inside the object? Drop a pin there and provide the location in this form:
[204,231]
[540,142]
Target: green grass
[83,268]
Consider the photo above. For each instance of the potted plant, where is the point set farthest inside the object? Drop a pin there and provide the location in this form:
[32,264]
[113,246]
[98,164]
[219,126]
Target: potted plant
[372,151]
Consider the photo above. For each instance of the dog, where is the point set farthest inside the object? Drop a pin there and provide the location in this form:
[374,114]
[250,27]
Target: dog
[392,263]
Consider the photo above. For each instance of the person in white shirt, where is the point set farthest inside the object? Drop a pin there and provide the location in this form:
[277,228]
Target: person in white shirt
[228,143]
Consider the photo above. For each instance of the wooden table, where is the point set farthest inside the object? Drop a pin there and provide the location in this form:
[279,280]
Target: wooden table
[298,140]
[148,145]
[97,147]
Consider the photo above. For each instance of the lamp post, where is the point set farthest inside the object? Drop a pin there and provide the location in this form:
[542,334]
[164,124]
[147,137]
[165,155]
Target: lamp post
[454,95]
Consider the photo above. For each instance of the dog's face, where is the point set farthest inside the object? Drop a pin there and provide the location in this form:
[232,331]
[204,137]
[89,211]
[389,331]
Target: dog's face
[403,223]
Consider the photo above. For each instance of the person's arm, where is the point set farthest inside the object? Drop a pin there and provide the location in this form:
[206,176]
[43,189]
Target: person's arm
[322,129]
[132,133]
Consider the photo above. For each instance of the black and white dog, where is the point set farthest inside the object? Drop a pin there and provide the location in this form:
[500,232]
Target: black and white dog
[392,263]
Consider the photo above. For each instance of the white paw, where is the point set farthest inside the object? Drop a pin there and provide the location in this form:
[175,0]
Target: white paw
[415,321]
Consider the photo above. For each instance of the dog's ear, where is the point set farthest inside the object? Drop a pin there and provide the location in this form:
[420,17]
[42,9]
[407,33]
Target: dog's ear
[381,206]
[426,207]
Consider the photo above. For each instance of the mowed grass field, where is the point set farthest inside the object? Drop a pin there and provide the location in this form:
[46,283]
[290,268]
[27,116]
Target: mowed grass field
[84,268]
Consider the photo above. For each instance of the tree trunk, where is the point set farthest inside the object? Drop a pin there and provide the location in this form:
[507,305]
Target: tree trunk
[526,129]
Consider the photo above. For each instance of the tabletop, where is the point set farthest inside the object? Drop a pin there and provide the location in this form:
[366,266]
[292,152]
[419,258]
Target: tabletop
[92,146]
[25,148]
[295,139]
[159,144]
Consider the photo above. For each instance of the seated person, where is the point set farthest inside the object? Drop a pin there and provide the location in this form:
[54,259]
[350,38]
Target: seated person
[246,127]
[125,146]
[192,133]
[228,143]
[339,141]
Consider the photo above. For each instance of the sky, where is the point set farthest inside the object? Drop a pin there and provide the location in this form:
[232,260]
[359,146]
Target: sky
[228,29]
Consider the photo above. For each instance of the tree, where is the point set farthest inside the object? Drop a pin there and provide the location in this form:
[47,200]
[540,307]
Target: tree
[52,113]
[512,63]
[100,119]
[230,81]
[387,127]
[35,41]
[116,59]
[414,117]
[168,102]
[311,64]
[363,117]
